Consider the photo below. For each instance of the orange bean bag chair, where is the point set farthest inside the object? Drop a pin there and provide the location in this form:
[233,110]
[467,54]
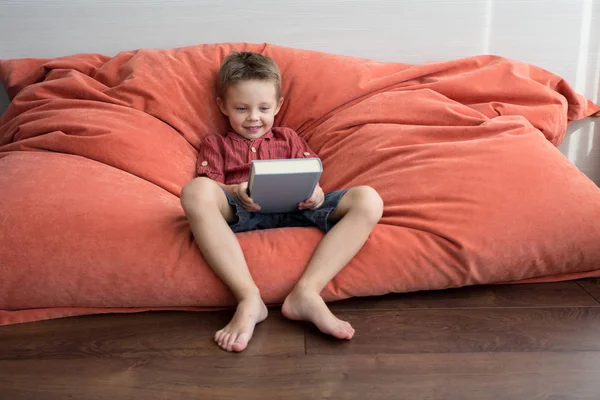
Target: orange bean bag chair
[94,151]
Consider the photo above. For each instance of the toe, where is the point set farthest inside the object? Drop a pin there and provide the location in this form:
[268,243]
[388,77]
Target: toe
[224,340]
[343,334]
[349,331]
[344,330]
[241,343]
[231,340]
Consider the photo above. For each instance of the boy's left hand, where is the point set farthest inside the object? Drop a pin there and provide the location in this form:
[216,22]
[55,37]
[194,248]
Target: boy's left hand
[315,201]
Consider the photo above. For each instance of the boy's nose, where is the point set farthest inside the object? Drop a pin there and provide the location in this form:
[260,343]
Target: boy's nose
[253,116]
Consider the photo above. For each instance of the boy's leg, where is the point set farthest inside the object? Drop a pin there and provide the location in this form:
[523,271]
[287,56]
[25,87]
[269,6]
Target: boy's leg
[208,212]
[358,212]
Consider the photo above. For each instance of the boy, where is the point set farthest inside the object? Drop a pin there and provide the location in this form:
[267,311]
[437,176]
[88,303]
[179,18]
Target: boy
[217,204]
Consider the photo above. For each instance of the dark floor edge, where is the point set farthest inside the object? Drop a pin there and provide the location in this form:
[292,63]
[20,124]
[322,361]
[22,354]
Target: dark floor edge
[338,310]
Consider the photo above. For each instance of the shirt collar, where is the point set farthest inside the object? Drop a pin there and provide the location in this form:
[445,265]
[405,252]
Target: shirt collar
[234,135]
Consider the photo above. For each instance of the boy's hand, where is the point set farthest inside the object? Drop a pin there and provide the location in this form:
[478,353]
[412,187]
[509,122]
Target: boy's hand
[240,192]
[315,201]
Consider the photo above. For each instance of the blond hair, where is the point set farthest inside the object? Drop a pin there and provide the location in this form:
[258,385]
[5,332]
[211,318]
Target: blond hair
[245,66]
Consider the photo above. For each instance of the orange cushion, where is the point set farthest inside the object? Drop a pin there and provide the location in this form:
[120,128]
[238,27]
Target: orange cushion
[94,151]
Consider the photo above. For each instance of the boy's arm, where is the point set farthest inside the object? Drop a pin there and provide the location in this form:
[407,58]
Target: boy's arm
[298,146]
[210,161]
[211,165]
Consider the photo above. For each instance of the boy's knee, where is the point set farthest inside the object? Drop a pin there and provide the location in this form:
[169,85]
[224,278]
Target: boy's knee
[198,194]
[367,201]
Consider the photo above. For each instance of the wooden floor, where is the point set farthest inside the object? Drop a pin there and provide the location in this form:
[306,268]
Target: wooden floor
[516,342]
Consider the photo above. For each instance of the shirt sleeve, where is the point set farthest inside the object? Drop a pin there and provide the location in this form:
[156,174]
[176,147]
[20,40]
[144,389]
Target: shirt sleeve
[299,148]
[210,160]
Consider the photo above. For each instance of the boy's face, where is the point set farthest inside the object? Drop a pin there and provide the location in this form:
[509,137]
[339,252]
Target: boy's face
[251,107]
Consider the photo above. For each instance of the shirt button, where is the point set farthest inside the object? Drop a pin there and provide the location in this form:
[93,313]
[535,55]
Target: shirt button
[253,149]
[204,163]
[306,153]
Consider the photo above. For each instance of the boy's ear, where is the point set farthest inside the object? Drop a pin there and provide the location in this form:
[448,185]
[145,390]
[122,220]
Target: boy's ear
[221,105]
[278,105]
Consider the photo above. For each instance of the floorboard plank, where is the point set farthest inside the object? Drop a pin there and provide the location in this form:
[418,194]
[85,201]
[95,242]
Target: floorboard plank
[511,376]
[559,294]
[464,330]
[153,334]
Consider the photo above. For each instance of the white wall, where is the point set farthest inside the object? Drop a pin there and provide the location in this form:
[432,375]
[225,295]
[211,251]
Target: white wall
[562,36]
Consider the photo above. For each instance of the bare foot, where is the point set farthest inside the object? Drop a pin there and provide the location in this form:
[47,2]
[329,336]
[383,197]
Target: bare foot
[238,332]
[309,306]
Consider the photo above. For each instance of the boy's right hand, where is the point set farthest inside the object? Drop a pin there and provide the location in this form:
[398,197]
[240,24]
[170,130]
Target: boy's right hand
[240,192]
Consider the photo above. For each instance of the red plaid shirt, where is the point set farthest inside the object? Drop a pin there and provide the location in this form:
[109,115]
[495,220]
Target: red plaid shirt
[226,159]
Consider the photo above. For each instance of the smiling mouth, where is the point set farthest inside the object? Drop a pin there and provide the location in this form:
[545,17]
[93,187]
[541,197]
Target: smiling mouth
[253,128]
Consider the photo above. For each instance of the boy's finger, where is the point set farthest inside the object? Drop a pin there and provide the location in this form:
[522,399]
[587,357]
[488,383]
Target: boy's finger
[244,195]
[247,201]
[252,205]
[318,203]
[248,204]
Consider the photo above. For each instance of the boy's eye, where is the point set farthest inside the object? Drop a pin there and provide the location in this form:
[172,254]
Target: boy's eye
[240,109]
[264,108]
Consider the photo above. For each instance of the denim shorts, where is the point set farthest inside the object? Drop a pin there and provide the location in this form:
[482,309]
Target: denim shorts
[250,221]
